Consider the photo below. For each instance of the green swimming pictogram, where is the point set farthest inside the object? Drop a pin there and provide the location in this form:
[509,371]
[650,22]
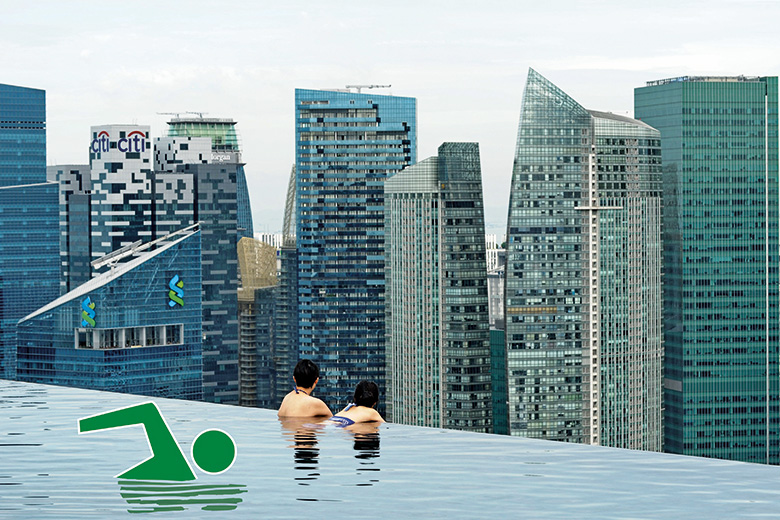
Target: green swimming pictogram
[88,313]
[176,292]
[213,451]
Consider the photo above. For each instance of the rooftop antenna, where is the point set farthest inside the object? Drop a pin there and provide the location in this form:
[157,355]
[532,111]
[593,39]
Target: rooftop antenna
[360,87]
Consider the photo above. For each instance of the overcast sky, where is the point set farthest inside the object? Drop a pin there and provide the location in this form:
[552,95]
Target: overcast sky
[466,63]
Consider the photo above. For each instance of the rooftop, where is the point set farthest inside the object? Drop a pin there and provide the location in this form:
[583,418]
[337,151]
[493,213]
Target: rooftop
[304,470]
[711,79]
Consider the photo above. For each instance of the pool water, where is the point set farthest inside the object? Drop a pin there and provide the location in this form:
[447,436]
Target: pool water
[303,469]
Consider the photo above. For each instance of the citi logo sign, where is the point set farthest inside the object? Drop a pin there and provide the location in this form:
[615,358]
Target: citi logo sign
[134,142]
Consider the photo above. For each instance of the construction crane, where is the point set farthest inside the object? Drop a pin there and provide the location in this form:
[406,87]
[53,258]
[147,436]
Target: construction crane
[178,114]
[359,87]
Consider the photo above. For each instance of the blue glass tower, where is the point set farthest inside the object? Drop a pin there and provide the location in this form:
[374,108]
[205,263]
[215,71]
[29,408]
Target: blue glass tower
[347,144]
[135,329]
[29,243]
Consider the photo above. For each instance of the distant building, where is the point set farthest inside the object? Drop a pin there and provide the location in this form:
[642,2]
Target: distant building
[199,192]
[256,303]
[493,250]
[583,275]
[225,149]
[134,329]
[720,156]
[75,188]
[29,242]
[347,145]
[272,239]
[438,343]
[122,184]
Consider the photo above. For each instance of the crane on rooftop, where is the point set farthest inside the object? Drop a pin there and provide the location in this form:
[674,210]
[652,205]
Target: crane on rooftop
[360,87]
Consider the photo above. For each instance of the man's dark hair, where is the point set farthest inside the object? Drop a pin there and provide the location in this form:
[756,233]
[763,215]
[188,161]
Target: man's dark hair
[306,373]
[366,394]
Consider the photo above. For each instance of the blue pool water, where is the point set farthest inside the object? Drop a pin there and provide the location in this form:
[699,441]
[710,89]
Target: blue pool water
[299,469]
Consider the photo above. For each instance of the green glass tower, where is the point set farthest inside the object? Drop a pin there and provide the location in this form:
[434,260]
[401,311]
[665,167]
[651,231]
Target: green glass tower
[720,146]
[583,275]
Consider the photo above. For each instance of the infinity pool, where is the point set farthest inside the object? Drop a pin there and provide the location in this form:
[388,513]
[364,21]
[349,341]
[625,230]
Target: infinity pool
[300,469]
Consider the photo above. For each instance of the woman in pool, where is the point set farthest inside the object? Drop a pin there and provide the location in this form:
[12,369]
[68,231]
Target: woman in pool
[363,407]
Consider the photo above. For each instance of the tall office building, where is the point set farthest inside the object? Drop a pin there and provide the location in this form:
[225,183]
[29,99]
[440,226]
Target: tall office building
[75,187]
[720,154]
[188,189]
[122,184]
[135,329]
[347,144]
[286,306]
[225,148]
[438,339]
[256,302]
[29,243]
[583,275]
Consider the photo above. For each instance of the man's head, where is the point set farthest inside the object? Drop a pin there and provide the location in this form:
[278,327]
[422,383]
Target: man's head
[366,394]
[306,373]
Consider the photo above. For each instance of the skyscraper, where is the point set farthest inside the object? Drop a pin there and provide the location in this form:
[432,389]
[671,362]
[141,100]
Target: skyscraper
[75,187]
[29,243]
[583,275]
[225,148]
[347,144]
[122,184]
[438,339]
[720,155]
[187,189]
[135,329]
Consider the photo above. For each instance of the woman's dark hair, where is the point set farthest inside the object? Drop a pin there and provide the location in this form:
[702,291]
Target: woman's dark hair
[366,394]
[306,373]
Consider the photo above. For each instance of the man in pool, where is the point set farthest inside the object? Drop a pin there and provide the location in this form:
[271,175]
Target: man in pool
[363,407]
[299,402]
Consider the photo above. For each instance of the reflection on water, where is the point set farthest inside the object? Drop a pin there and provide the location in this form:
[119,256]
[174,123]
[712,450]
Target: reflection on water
[366,444]
[159,496]
[303,435]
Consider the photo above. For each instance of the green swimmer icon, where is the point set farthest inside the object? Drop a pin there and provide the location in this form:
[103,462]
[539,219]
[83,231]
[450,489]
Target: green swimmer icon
[213,451]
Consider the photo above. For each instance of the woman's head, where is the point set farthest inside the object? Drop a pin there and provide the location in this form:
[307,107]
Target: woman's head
[366,394]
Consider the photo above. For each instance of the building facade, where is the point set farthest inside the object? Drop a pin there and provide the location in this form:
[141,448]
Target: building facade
[75,187]
[135,329]
[347,145]
[29,243]
[720,154]
[225,149]
[122,182]
[438,342]
[583,275]
[186,193]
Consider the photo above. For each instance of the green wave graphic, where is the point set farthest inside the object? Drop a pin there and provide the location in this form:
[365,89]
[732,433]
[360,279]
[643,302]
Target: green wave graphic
[161,496]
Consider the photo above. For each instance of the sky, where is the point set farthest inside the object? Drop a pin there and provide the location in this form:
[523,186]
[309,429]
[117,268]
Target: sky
[109,62]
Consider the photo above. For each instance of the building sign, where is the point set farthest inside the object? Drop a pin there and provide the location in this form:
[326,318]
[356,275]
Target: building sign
[176,292]
[224,157]
[88,313]
[134,142]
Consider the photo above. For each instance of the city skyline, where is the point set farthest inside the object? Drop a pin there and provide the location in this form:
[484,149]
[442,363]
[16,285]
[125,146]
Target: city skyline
[467,69]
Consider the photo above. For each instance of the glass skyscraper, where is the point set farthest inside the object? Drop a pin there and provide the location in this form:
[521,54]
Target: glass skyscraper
[583,275]
[29,216]
[347,144]
[75,187]
[135,329]
[226,148]
[720,155]
[437,324]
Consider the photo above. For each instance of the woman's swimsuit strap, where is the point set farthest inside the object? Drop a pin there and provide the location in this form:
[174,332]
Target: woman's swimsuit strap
[342,421]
